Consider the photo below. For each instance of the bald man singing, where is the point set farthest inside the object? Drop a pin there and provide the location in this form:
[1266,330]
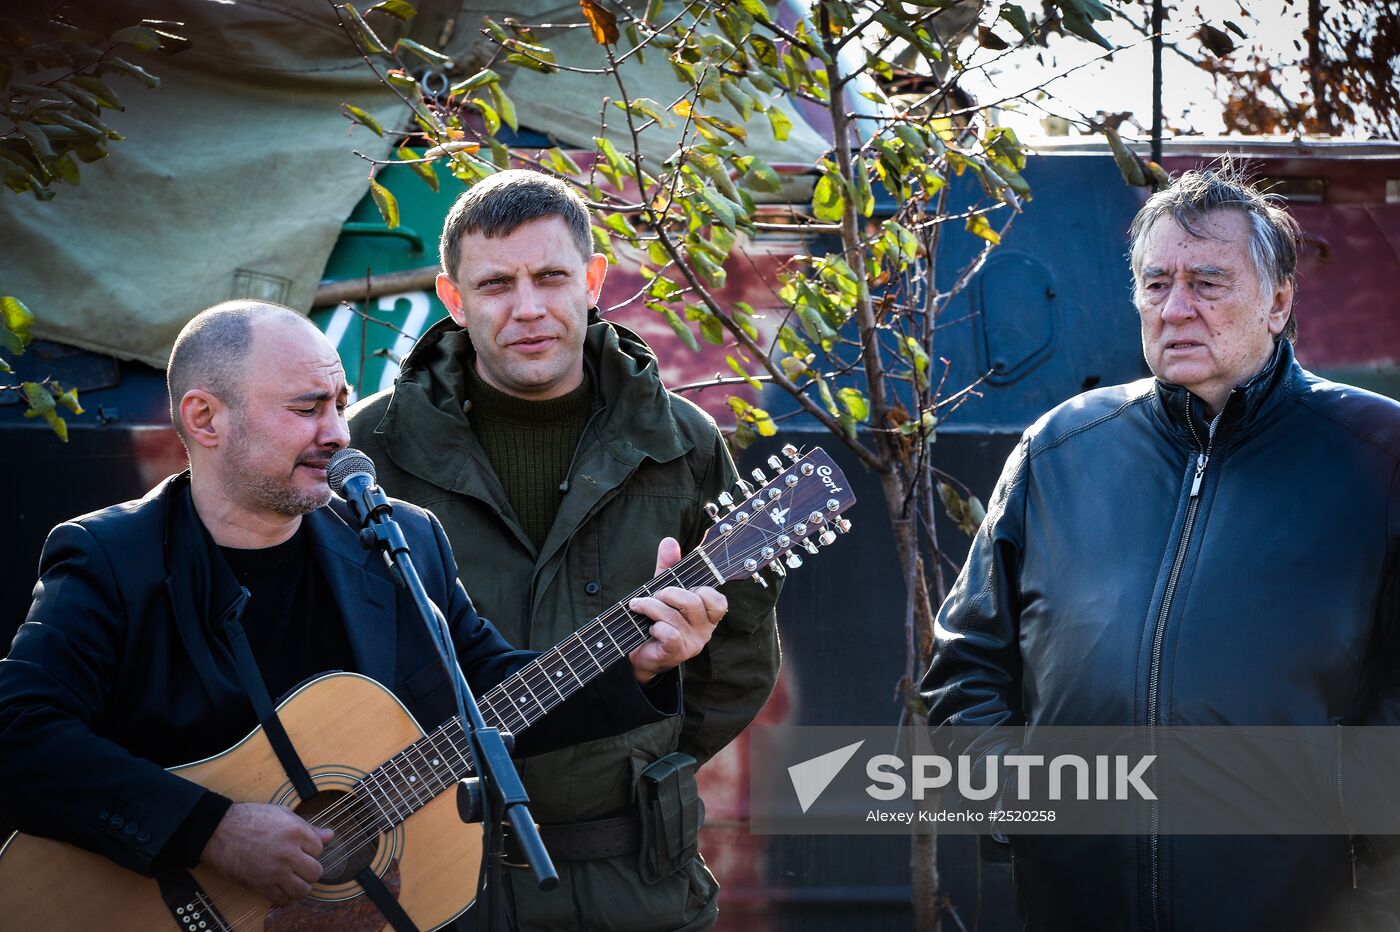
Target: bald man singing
[127,663]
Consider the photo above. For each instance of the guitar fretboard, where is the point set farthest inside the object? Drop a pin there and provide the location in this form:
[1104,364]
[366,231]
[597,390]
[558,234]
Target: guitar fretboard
[416,775]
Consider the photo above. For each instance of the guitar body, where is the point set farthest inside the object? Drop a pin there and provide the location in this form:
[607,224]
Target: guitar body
[343,726]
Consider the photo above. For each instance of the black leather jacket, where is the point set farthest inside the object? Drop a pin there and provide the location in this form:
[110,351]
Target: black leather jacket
[1134,568]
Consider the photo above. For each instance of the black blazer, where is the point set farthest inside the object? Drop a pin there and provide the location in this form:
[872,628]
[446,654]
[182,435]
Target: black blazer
[118,673]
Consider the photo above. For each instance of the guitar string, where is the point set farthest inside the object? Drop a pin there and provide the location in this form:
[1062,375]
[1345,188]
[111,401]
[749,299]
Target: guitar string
[691,570]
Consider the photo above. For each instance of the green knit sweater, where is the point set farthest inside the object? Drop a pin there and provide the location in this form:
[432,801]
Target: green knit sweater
[530,444]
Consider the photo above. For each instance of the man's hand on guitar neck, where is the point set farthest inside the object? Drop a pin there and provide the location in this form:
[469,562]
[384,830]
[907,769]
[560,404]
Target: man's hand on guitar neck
[684,620]
[269,849]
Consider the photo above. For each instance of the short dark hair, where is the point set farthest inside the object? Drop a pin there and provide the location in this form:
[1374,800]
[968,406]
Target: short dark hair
[501,203]
[211,351]
[1273,233]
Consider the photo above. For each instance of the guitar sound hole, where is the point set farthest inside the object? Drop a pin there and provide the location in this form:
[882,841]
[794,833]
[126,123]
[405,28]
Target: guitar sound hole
[349,851]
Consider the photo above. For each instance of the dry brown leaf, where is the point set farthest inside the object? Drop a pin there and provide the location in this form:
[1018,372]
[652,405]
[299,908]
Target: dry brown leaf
[601,23]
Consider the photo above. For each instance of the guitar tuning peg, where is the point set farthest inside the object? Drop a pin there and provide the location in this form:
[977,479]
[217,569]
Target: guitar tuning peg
[790,452]
[793,560]
[826,537]
[726,500]
[744,488]
[712,510]
[842,525]
[758,578]
[778,569]
[758,476]
[809,546]
[775,464]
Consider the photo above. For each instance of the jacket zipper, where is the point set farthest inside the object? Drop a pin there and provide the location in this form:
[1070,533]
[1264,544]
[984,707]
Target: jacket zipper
[1154,671]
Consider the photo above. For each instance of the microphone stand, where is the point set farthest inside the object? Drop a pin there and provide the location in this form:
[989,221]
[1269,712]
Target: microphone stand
[498,788]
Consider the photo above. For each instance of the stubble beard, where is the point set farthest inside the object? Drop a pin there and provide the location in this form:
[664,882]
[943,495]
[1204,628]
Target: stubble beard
[278,495]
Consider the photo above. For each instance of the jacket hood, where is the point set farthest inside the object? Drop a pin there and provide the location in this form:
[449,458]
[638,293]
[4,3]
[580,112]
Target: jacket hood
[430,396]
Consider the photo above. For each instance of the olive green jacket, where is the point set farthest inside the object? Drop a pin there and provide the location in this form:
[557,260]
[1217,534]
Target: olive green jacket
[645,466]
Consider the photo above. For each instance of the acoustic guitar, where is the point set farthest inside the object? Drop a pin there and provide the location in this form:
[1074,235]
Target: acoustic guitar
[382,781]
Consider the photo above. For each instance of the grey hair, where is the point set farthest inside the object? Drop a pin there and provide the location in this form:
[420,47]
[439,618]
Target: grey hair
[212,349]
[498,205]
[1273,233]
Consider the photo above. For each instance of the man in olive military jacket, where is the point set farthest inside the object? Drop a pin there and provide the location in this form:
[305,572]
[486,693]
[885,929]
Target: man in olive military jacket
[546,443]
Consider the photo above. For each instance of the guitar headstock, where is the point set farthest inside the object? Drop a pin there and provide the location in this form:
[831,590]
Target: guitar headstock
[799,509]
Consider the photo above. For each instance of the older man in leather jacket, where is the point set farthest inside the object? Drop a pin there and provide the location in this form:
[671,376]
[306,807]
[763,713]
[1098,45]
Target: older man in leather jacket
[1213,546]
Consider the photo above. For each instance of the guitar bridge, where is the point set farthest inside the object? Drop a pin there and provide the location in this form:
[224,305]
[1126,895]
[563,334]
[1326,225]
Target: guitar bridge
[189,905]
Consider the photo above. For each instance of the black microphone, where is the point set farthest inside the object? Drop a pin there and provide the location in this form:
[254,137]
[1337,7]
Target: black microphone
[350,474]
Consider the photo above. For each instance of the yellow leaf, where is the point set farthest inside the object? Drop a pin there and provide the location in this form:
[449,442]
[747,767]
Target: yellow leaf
[977,224]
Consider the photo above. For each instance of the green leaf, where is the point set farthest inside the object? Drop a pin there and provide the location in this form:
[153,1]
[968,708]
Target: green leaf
[84,128]
[860,183]
[362,31]
[710,326]
[67,169]
[855,403]
[742,314]
[504,106]
[431,56]
[620,225]
[100,91]
[720,206]
[561,163]
[139,36]
[386,202]
[480,79]
[363,118]
[136,71]
[38,398]
[1128,162]
[17,321]
[535,57]
[756,9]
[614,158]
[489,116]
[762,177]
[399,9]
[36,139]
[677,325]
[1017,18]
[794,367]
[1082,25]
[712,272]
[603,243]
[827,400]
[780,123]
[914,351]
[738,98]
[967,513]
[829,199]
[78,95]
[402,80]
[423,170]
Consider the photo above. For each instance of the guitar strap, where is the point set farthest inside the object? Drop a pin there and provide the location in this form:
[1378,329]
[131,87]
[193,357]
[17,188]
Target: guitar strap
[256,688]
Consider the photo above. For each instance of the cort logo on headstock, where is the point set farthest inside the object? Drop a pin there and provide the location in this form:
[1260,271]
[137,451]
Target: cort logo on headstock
[825,473]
